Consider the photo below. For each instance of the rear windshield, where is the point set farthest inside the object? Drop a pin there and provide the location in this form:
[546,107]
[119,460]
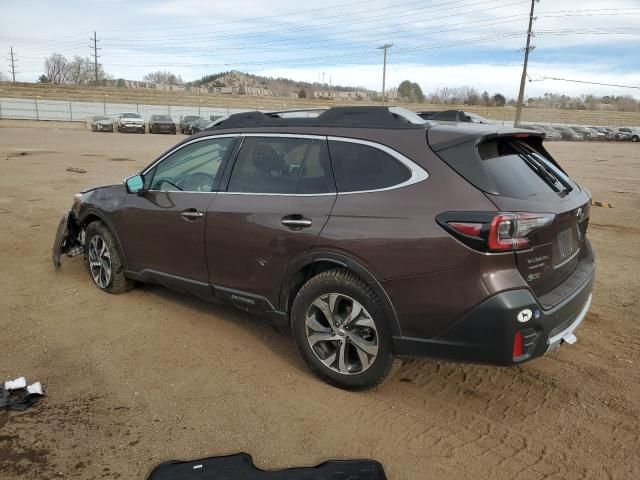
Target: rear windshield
[509,167]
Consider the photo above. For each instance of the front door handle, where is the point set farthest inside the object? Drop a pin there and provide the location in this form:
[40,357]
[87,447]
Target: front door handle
[296,221]
[192,214]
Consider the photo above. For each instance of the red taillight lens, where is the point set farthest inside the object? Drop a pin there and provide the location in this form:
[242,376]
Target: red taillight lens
[488,231]
[517,345]
[508,231]
[467,228]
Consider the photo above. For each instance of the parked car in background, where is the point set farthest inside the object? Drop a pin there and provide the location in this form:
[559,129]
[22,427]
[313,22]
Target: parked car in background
[600,136]
[621,136]
[198,126]
[453,116]
[185,119]
[633,133]
[369,233]
[569,133]
[101,123]
[161,124]
[608,133]
[552,133]
[586,133]
[549,133]
[130,122]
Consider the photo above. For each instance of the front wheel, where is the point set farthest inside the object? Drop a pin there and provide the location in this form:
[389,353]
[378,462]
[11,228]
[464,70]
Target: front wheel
[104,261]
[341,331]
[636,138]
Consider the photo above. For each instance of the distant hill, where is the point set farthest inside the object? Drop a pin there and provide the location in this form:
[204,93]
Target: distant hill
[278,86]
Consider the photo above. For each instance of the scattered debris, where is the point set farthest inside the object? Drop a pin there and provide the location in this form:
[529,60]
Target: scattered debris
[77,170]
[17,395]
[601,204]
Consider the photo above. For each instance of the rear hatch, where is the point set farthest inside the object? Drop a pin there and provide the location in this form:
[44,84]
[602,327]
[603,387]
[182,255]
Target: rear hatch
[520,177]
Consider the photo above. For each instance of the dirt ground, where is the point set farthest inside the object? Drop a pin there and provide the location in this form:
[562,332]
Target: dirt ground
[137,379]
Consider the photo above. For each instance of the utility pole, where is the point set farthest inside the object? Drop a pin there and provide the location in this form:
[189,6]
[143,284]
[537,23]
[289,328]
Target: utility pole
[384,47]
[94,39]
[12,59]
[523,80]
[323,78]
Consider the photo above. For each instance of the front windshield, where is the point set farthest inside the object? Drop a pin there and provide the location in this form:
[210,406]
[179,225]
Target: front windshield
[131,115]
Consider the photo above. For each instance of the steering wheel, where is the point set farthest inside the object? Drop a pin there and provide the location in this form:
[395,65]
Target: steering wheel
[161,181]
[197,182]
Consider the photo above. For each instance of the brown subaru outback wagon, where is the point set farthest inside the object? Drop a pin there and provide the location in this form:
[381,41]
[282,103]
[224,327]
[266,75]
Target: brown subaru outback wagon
[370,233]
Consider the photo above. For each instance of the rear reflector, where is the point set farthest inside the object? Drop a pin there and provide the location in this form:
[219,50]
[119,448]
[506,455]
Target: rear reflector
[517,345]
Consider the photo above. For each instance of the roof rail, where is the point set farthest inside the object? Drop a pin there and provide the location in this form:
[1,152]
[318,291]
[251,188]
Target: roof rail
[366,116]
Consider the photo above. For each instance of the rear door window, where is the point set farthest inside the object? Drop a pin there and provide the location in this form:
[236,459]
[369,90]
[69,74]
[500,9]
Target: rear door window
[358,167]
[282,165]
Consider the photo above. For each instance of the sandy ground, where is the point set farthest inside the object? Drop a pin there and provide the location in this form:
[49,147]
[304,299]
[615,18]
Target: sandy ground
[137,379]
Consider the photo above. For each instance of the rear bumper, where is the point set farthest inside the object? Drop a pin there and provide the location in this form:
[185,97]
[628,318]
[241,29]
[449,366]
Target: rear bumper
[486,334]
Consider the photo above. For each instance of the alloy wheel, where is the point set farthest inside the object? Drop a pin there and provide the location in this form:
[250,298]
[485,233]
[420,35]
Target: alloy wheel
[99,261]
[341,333]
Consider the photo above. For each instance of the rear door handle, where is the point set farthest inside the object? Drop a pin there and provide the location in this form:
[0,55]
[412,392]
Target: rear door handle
[296,221]
[191,214]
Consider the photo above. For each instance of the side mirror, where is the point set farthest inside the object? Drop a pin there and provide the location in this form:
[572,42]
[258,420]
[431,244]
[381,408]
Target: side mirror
[134,184]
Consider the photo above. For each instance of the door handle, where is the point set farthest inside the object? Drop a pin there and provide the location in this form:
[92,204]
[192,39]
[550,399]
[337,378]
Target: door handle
[192,214]
[296,221]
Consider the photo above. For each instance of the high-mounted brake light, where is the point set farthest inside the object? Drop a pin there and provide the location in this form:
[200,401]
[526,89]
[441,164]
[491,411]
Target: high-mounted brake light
[494,232]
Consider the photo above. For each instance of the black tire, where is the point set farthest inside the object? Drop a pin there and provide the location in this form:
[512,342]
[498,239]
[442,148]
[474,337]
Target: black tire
[635,138]
[343,282]
[118,283]
[142,131]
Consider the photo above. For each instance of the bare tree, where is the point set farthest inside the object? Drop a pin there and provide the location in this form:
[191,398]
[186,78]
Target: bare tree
[56,68]
[81,71]
[164,77]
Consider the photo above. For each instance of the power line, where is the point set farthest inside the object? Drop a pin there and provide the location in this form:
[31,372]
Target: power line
[523,80]
[636,87]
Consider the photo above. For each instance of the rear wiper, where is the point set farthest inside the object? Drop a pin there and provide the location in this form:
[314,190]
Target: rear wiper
[543,171]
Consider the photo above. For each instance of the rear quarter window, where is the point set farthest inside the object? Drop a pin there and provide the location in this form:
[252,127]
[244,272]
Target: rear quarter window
[358,167]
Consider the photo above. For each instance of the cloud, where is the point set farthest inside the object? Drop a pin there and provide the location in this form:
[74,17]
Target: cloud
[436,42]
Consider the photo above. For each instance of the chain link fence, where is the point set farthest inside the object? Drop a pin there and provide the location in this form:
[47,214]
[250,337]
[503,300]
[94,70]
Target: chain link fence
[37,108]
[75,111]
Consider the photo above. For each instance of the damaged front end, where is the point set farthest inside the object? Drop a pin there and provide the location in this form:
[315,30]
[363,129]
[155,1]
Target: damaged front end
[69,238]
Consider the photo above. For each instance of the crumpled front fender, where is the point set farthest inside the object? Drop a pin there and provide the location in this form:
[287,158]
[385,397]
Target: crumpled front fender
[67,238]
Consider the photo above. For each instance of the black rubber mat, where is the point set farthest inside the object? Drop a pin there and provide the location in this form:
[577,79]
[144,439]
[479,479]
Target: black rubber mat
[241,467]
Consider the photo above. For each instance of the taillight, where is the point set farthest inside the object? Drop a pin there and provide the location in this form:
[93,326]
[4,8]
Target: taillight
[494,232]
[509,231]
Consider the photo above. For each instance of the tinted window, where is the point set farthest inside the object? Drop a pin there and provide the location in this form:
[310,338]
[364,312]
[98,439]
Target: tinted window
[281,165]
[510,168]
[193,168]
[359,167]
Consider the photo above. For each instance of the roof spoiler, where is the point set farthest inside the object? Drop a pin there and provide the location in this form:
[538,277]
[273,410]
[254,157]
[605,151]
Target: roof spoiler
[445,136]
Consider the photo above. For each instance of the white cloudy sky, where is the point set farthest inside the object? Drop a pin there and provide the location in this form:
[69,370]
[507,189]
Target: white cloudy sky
[437,43]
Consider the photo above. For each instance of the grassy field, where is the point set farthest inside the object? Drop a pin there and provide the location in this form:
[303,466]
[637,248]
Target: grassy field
[123,95]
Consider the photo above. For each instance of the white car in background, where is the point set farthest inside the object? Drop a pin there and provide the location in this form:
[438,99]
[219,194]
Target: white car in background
[130,122]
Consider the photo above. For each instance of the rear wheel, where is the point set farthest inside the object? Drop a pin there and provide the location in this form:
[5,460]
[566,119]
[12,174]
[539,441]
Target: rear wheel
[341,331]
[635,138]
[104,261]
